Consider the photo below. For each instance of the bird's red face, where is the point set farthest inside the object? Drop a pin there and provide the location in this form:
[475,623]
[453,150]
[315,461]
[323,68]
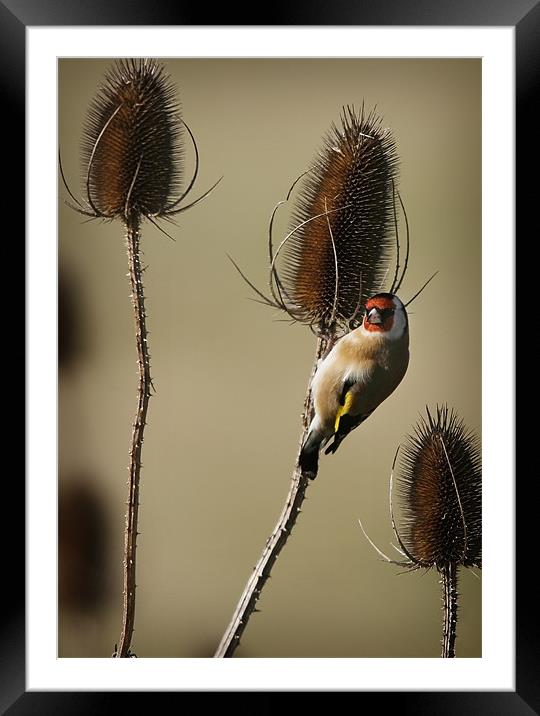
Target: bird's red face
[379,317]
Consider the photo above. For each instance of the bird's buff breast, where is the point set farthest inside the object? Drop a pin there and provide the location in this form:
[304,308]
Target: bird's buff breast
[374,365]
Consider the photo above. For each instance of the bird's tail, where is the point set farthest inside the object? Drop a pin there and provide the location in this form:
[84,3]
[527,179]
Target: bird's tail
[309,454]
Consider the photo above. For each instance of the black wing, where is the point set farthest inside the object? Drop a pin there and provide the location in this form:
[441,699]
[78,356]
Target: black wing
[346,424]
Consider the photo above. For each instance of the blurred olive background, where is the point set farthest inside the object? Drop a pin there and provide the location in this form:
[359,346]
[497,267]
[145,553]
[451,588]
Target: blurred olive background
[231,378]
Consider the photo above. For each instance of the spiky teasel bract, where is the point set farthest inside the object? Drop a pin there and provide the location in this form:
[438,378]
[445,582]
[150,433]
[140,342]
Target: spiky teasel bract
[440,486]
[343,222]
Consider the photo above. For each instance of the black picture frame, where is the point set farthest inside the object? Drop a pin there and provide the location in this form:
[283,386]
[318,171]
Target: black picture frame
[15,16]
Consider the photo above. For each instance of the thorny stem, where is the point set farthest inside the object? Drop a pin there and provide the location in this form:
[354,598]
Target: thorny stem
[275,543]
[450,607]
[130,540]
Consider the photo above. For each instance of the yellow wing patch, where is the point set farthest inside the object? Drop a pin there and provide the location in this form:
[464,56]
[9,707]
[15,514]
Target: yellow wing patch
[343,409]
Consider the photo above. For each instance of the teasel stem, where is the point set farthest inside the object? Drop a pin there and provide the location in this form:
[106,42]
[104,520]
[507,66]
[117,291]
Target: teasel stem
[280,534]
[133,237]
[450,607]
[132,153]
[440,485]
[334,254]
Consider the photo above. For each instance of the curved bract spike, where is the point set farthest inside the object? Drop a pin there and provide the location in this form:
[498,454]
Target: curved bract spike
[167,209]
[274,276]
[161,229]
[412,559]
[458,498]
[264,298]
[420,291]
[91,162]
[181,209]
[380,552]
[408,246]
[131,187]
[394,286]
[291,234]
[332,319]
[80,207]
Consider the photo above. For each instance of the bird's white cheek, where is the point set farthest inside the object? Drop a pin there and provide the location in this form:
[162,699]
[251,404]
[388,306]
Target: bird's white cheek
[399,327]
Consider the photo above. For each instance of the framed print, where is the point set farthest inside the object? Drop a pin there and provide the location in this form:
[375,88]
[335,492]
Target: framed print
[256,99]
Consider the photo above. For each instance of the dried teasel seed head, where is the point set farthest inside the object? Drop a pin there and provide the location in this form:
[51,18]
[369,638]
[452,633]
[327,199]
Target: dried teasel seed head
[132,142]
[440,486]
[352,180]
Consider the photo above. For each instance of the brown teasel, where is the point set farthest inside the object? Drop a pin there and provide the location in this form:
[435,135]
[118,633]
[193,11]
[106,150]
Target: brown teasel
[440,488]
[343,226]
[132,141]
[132,156]
[440,485]
[334,261]
[132,146]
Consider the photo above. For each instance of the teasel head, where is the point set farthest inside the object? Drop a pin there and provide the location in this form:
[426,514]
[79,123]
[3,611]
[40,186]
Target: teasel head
[342,224]
[132,148]
[340,241]
[439,483]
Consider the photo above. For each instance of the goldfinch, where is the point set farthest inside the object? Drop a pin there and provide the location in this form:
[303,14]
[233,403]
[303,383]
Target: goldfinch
[363,368]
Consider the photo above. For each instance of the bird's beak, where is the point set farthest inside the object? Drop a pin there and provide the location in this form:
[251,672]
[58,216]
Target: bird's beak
[374,316]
